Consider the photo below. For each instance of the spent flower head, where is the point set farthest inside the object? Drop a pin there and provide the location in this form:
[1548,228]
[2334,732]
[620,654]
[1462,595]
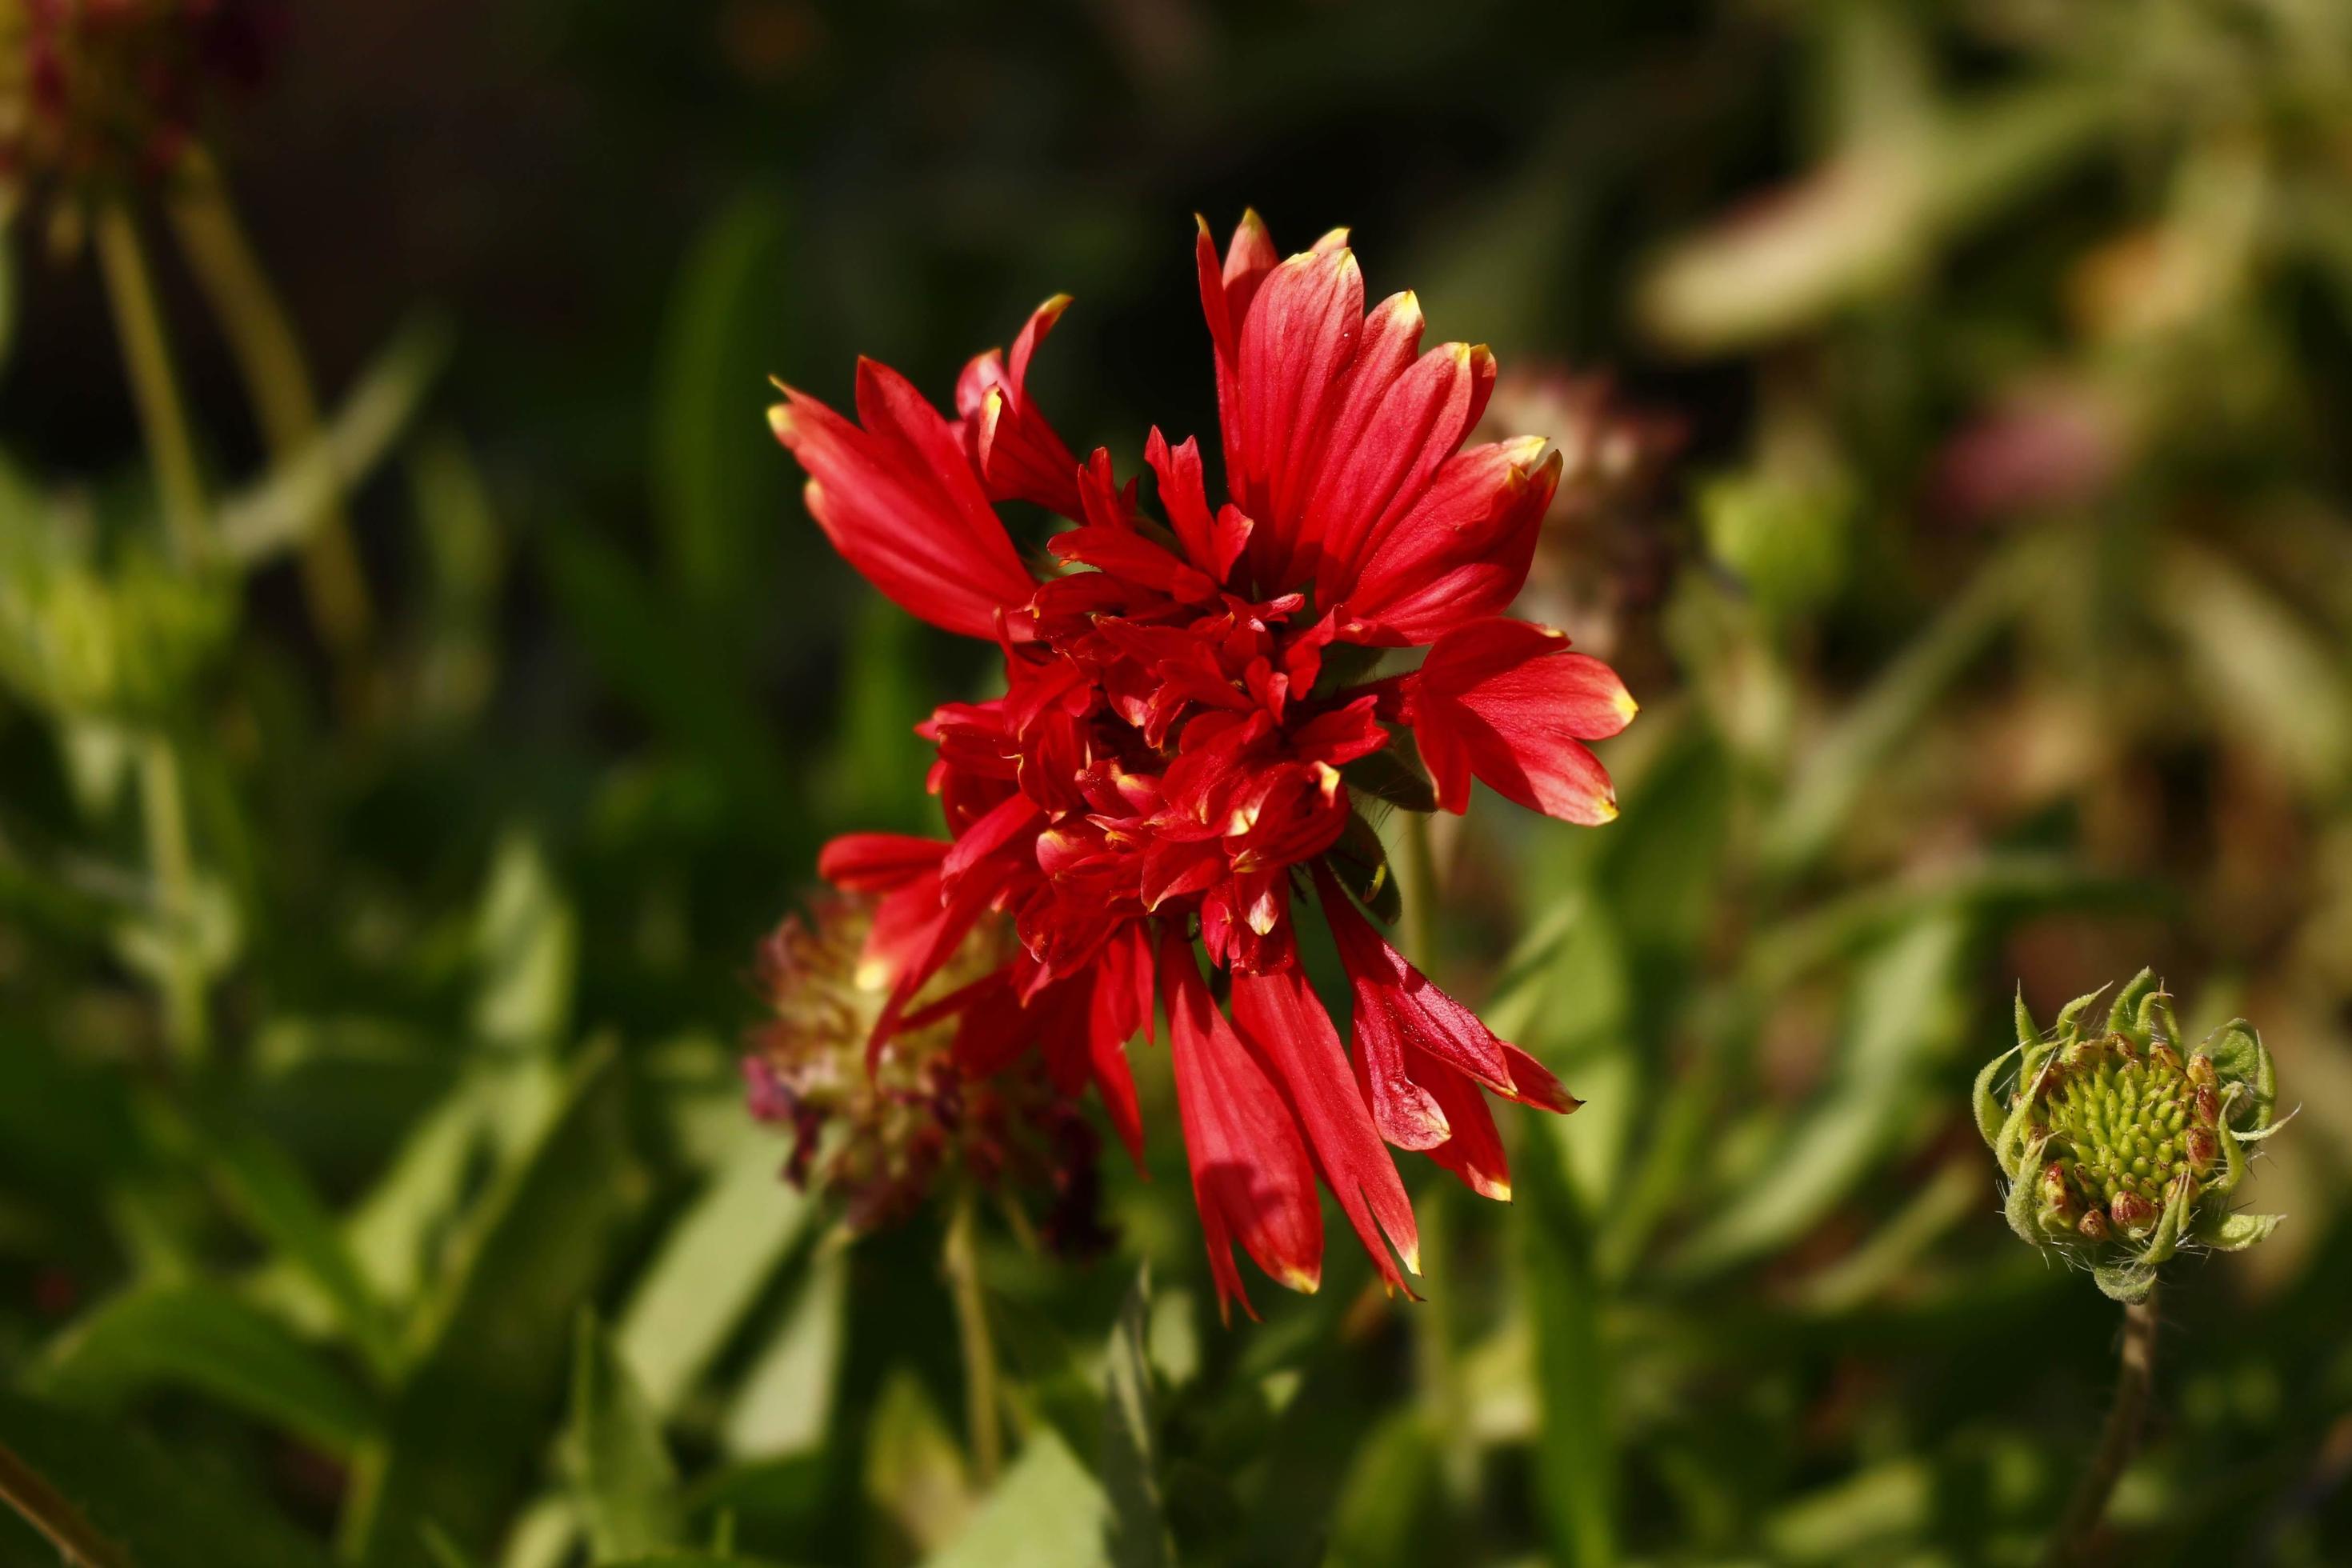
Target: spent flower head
[880,1142]
[2122,1146]
[97,93]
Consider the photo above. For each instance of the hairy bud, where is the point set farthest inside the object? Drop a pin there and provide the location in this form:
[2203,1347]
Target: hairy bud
[2118,1150]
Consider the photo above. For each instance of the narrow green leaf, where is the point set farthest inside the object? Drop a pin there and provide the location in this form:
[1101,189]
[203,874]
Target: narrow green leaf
[204,1337]
[1903,1018]
[275,1197]
[1575,1450]
[128,1494]
[1129,1465]
[619,1466]
[711,1268]
[467,1420]
[786,1401]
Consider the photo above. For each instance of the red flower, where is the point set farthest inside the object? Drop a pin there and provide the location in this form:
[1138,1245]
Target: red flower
[1168,758]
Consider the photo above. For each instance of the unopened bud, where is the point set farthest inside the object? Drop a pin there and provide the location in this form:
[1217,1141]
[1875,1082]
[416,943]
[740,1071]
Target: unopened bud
[2201,1071]
[2055,1195]
[2204,1147]
[2094,1225]
[2131,1210]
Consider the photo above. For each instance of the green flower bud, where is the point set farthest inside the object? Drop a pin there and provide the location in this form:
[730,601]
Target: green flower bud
[2118,1150]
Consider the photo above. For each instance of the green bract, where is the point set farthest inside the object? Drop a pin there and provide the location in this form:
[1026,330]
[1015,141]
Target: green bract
[2118,1150]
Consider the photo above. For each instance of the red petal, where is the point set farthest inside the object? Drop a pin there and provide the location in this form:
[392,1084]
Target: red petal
[900,501]
[1398,1008]
[877,862]
[1433,572]
[1251,1178]
[1295,344]
[1474,1151]
[1215,543]
[1507,701]
[1279,1014]
[1381,470]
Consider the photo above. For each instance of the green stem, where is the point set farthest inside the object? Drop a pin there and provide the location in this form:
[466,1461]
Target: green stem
[163,804]
[1420,891]
[960,1261]
[2119,1440]
[278,379]
[147,361]
[23,1489]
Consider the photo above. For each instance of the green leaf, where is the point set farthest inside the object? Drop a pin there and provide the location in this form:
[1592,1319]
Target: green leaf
[786,1401]
[711,1268]
[1826,788]
[147,1508]
[619,1465]
[719,486]
[525,939]
[467,1419]
[274,515]
[1394,776]
[273,1196]
[204,1337]
[1361,863]
[1129,1465]
[1903,1016]
[2237,1232]
[1046,1513]
[1575,1449]
[1391,1500]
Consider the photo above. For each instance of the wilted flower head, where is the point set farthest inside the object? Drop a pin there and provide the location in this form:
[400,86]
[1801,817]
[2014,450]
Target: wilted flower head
[99,93]
[2120,1150]
[1189,710]
[881,1141]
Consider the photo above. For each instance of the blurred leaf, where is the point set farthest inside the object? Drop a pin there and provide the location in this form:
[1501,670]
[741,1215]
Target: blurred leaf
[1139,1533]
[784,1403]
[1391,1498]
[1868,220]
[1046,1513]
[1783,532]
[878,775]
[1840,766]
[275,1198]
[711,1268]
[1575,1448]
[203,1336]
[914,1466]
[717,483]
[466,1420]
[665,669]
[276,514]
[156,1513]
[619,1466]
[1904,1015]
[525,939]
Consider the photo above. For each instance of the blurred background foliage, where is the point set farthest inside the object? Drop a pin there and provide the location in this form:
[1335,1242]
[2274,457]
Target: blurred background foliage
[1954,397]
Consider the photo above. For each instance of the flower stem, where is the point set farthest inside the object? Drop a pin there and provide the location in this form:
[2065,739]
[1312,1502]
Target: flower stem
[961,1260]
[1420,891]
[2117,1442]
[270,355]
[147,361]
[163,803]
